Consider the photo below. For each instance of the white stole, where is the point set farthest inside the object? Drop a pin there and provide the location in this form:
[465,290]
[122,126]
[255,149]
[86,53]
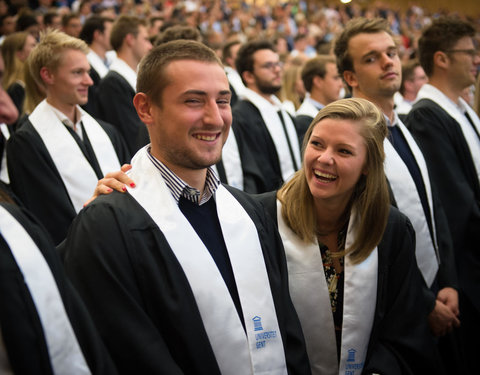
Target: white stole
[262,351]
[3,167]
[235,80]
[97,63]
[65,354]
[269,113]
[307,108]
[408,201]
[74,169]
[310,296]
[231,162]
[430,92]
[122,68]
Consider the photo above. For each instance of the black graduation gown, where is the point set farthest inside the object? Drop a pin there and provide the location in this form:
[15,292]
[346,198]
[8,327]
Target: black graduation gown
[453,174]
[400,341]
[302,123]
[257,143]
[139,296]
[22,331]
[34,178]
[90,106]
[114,104]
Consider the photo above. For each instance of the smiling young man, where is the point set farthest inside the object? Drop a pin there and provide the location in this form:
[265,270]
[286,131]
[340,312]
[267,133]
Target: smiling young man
[60,152]
[262,126]
[447,130]
[184,275]
[368,60]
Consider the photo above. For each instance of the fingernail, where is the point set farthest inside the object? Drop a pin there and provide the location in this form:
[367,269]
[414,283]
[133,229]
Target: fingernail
[109,190]
[132,184]
[124,188]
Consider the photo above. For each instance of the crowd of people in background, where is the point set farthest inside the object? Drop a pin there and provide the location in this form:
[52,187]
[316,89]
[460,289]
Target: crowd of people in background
[385,102]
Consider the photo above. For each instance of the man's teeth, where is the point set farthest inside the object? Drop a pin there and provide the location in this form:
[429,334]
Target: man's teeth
[327,176]
[205,137]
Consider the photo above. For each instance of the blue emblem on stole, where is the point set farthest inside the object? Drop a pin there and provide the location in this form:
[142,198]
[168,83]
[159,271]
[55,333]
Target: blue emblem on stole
[257,323]
[351,355]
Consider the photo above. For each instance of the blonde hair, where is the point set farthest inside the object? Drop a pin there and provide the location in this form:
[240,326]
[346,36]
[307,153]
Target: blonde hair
[13,65]
[289,80]
[34,93]
[48,52]
[370,198]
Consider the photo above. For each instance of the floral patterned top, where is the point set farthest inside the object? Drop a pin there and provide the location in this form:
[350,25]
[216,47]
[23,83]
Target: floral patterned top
[335,283]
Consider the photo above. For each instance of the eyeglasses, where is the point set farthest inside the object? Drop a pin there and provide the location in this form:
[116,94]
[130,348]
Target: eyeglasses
[272,65]
[472,52]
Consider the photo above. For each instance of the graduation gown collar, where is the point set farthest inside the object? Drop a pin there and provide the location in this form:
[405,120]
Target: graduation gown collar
[307,108]
[408,201]
[232,162]
[66,356]
[97,63]
[75,171]
[261,350]
[235,80]
[430,92]
[270,116]
[3,167]
[121,67]
[310,296]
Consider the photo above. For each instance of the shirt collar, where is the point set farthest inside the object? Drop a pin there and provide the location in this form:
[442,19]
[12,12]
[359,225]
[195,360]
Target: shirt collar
[64,119]
[179,188]
[316,104]
[395,122]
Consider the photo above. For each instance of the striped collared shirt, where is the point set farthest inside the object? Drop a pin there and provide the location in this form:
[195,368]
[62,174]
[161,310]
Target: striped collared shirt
[180,188]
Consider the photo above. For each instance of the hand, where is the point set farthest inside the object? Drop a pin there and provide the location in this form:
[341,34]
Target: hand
[113,180]
[442,320]
[449,297]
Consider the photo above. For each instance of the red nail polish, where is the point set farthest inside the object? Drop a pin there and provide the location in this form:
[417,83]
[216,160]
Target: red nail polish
[109,190]
[132,184]
[124,188]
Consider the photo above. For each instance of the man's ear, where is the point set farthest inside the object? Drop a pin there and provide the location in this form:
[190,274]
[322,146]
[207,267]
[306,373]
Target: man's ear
[129,40]
[351,78]
[441,59]
[248,77]
[47,76]
[143,106]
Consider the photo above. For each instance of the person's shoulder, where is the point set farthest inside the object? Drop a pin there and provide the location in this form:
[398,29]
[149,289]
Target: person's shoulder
[244,107]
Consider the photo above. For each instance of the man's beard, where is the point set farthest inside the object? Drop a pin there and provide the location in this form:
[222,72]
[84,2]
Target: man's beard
[267,88]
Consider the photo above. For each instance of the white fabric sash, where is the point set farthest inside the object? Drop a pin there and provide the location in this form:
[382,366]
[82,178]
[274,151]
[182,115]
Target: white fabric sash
[235,80]
[122,68]
[307,109]
[269,113]
[310,296]
[262,352]
[231,162]
[430,92]
[97,63]
[408,201]
[65,354]
[3,167]
[76,172]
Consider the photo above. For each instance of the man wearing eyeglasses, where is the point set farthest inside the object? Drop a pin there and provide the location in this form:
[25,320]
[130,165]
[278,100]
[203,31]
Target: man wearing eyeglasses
[262,127]
[448,132]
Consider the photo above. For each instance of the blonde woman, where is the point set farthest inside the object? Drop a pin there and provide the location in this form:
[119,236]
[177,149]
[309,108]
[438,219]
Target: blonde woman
[352,271]
[15,51]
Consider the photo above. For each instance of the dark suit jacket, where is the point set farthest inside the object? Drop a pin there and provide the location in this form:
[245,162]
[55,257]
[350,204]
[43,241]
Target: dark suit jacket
[114,104]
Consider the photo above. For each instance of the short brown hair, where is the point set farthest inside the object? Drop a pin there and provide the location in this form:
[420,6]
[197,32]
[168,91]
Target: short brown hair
[441,35]
[316,66]
[152,80]
[49,51]
[123,26]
